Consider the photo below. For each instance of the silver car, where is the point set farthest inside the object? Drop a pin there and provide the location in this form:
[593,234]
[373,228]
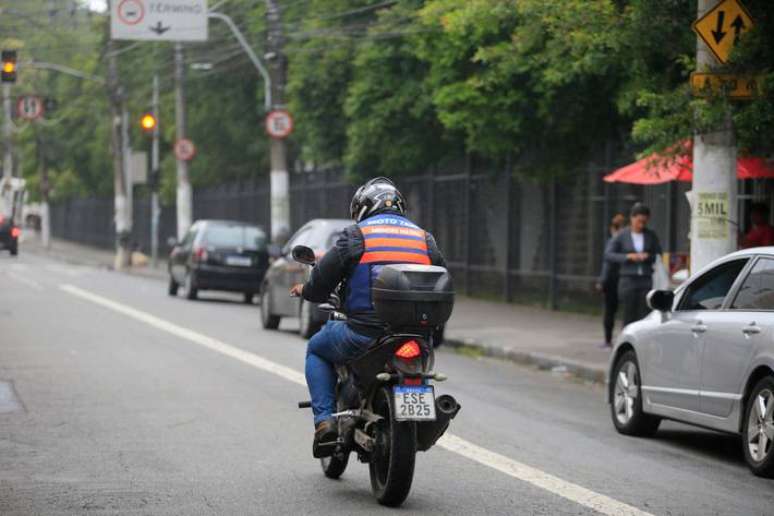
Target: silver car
[284,272]
[704,356]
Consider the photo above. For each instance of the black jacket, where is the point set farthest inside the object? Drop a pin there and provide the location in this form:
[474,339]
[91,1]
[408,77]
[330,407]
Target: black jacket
[610,270]
[338,265]
[622,244]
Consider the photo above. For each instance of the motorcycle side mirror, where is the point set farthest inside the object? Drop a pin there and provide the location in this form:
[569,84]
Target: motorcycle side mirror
[304,254]
[660,300]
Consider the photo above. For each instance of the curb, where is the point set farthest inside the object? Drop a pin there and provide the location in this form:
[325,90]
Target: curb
[582,370]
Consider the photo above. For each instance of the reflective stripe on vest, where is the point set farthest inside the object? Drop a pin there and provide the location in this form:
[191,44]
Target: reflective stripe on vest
[392,243]
[388,239]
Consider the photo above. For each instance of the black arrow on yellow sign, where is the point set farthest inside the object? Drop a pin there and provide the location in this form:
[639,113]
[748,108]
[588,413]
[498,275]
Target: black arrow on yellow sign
[718,33]
[738,25]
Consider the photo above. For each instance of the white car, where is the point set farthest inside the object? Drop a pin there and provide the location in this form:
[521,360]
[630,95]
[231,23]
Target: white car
[704,356]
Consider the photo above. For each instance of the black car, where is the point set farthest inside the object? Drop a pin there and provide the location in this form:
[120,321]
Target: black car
[9,235]
[276,303]
[219,255]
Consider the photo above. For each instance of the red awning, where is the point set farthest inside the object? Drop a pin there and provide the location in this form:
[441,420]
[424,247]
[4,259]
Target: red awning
[657,169]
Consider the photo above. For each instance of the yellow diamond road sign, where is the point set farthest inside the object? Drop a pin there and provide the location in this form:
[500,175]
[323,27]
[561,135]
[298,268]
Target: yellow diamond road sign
[722,26]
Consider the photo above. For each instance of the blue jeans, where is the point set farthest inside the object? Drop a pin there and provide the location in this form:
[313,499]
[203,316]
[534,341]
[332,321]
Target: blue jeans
[335,343]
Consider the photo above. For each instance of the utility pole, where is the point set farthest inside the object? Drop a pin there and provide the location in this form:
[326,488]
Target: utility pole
[155,176]
[184,192]
[126,152]
[7,132]
[714,230]
[280,190]
[122,224]
[45,216]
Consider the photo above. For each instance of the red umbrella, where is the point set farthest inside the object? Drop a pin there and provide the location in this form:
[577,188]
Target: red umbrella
[657,169]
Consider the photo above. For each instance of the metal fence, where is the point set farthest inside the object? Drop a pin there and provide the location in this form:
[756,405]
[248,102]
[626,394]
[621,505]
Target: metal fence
[505,237]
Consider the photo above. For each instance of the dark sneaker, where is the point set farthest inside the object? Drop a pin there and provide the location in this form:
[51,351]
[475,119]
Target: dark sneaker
[325,435]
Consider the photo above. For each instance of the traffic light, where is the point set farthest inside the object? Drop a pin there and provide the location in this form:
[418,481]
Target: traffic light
[148,122]
[9,66]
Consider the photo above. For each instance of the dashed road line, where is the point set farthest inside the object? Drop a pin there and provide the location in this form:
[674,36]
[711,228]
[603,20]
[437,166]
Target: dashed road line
[598,502]
[24,280]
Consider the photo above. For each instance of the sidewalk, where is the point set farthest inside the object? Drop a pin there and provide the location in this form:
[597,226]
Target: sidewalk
[561,341]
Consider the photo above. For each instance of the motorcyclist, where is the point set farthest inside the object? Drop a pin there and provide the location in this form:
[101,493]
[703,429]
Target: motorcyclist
[382,235]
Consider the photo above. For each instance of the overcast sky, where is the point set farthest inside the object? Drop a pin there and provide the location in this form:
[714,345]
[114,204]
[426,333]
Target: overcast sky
[97,5]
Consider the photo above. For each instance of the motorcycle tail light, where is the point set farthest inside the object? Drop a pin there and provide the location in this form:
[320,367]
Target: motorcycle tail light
[15,232]
[409,350]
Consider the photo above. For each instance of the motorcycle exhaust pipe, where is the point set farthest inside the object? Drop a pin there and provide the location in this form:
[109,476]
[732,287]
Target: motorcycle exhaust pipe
[446,404]
[446,409]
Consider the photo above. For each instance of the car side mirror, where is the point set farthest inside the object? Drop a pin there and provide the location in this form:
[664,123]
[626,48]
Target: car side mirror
[172,241]
[304,254]
[660,300]
[274,250]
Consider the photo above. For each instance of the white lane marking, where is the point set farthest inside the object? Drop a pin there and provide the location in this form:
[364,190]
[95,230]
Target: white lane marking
[573,492]
[26,281]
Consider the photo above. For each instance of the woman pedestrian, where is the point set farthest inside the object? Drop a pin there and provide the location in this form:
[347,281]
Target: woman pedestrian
[635,250]
[608,282]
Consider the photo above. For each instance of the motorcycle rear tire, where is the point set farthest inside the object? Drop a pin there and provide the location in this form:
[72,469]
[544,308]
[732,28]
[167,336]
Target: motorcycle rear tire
[334,466]
[392,461]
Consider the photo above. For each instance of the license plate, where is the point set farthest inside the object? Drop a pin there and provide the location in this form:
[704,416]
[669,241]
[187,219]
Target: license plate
[239,261]
[414,402]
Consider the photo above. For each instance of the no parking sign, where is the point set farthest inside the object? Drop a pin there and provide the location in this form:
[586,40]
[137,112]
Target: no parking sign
[279,124]
[185,149]
[29,107]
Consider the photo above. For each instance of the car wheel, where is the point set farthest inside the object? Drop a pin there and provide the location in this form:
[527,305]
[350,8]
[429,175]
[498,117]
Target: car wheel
[189,286]
[758,432]
[249,298]
[268,320]
[306,324]
[173,287]
[626,407]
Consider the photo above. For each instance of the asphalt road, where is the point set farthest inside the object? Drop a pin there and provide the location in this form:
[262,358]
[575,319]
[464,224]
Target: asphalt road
[117,399]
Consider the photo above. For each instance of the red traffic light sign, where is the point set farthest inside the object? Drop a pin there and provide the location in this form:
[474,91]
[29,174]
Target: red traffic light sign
[29,107]
[185,149]
[279,124]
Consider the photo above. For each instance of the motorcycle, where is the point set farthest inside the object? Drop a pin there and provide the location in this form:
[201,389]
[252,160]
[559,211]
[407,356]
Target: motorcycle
[387,410]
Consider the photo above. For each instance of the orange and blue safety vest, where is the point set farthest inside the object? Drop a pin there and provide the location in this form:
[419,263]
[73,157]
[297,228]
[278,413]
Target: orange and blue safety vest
[388,239]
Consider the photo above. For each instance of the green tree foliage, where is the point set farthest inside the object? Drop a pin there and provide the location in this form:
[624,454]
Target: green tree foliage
[393,123]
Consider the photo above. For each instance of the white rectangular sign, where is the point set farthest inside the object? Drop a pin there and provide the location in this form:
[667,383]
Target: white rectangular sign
[138,167]
[159,20]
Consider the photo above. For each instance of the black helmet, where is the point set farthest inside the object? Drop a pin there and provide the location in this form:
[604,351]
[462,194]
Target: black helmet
[376,196]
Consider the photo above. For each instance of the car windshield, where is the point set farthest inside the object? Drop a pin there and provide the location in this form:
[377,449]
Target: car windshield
[249,237]
[321,237]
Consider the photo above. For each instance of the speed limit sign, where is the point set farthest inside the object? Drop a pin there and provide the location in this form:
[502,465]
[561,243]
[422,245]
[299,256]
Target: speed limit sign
[279,124]
[185,149]
[29,107]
